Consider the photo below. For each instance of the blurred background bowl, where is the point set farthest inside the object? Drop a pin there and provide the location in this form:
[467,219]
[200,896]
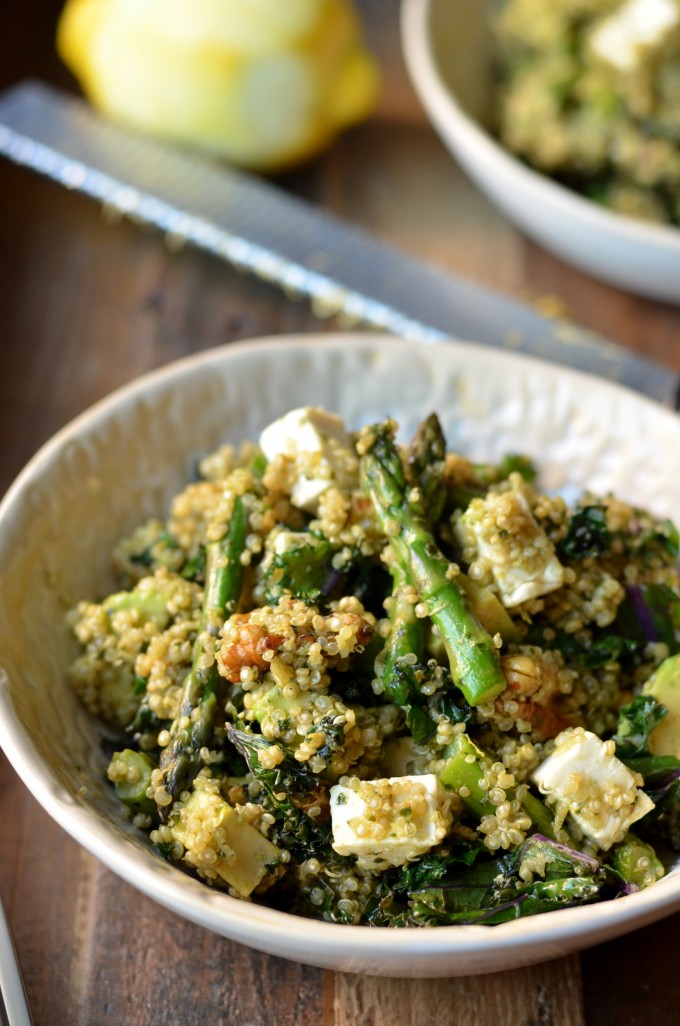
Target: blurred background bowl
[448,51]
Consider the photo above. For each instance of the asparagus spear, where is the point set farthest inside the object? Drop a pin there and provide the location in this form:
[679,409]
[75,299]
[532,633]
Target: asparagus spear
[180,760]
[463,769]
[405,647]
[403,659]
[425,465]
[404,652]
[475,667]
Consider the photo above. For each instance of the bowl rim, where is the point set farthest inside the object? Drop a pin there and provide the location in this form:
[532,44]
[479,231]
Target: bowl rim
[437,97]
[282,933]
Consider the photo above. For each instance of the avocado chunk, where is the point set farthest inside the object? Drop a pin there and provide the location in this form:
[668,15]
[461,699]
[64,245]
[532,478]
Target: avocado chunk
[130,773]
[489,609]
[277,713]
[304,713]
[636,861]
[149,602]
[664,685]
[242,856]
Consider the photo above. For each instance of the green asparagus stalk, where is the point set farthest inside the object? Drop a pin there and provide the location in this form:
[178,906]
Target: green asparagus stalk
[403,659]
[404,651]
[425,466]
[463,769]
[405,647]
[475,666]
[192,730]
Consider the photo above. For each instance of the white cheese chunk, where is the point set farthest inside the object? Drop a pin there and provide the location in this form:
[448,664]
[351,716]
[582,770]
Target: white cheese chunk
[501,531]
[319,450]
[387,822]
[283,541]
[635,29]
[600,792]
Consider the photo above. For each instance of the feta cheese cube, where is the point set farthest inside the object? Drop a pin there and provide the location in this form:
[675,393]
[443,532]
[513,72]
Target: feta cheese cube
[600,793]
[319,450]
[387,822]
[500,530]
[635,30]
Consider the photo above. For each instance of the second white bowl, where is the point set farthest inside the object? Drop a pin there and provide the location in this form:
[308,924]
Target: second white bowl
[448,51]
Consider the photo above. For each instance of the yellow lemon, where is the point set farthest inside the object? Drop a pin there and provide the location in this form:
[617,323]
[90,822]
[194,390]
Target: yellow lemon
[264,83]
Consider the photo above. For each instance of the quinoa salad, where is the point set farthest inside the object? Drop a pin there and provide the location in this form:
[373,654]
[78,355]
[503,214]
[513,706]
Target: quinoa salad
[589,94]
[368,680]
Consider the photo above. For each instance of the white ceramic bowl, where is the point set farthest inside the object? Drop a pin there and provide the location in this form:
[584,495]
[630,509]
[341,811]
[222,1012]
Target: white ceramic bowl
[448,51]
[122,460]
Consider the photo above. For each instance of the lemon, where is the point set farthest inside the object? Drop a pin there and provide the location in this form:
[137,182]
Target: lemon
[263,83]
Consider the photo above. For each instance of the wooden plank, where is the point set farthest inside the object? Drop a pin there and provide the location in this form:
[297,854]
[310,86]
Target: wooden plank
[545,995]
[400,182]
[633,981]
[397,100]
[178,973]
[635,322]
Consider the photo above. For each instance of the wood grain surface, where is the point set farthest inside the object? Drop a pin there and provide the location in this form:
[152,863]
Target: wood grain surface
[88,305]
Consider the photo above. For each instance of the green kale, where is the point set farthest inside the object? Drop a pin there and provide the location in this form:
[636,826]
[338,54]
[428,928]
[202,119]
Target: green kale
[466,905]
[466,886]
[515,463]
[139,685]
[454,706]
[421,725]
[511,463]
[194,568]
[649,612]
[661,773]
[284,789]
[317,571]
[587,534]
[589,653]
[636,722]
[434,866]
[660,533]
[148,557]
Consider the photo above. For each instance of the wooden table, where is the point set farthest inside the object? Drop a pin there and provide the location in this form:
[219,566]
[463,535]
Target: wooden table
[87,306]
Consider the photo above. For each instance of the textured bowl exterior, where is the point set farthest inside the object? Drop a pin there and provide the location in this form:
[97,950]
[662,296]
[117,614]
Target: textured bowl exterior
[437,36]
[122,460]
